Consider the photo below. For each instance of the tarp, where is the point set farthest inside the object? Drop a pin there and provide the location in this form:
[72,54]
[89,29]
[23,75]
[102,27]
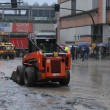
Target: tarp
[83,44]
[106,44]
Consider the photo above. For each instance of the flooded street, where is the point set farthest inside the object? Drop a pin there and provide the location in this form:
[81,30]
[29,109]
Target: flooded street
[89,89]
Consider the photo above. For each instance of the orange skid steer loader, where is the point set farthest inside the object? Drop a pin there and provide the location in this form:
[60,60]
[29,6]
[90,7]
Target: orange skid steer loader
[51,63]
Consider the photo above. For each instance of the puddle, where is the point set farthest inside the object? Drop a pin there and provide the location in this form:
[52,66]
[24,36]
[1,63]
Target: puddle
[83,107]
[2,74]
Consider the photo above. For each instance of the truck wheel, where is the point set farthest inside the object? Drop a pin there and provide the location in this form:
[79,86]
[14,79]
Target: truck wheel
[65,81]
[4,56]
[22,53]
[17,54]
[11,56]
[29,77]
[20,74]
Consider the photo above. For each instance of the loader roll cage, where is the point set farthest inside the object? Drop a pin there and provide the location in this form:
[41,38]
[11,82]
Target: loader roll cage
[47,46]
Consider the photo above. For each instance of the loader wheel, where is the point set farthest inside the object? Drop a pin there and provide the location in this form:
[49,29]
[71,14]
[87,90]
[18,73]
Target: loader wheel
[20,73]
[29,77]
[65,81]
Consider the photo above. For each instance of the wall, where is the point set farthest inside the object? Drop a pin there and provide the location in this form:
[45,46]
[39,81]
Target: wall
[65,12]
[5,27]
[94,4]
[40,26]
[78,21]
[84,5]
[106,33]
[68,34]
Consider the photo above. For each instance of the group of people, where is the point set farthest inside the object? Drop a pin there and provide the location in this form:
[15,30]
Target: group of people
[80,52]
[100,51]
[83,52]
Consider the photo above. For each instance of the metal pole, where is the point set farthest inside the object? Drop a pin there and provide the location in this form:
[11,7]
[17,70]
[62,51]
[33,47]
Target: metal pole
[82,11]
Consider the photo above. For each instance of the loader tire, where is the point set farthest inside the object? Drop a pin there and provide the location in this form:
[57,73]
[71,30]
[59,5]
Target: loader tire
[29,77]
[65,81]
[14,76]
[20,74]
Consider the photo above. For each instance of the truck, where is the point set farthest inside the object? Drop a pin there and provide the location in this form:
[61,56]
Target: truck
[45,62]
[7,49]
[21,44]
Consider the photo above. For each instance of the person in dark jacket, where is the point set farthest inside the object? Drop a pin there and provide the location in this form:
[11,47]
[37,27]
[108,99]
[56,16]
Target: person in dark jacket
[87,52]
[73,52]
[83,53]
[97,52]
[103,52]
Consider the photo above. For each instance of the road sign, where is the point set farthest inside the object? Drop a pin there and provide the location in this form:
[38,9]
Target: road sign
[76,38]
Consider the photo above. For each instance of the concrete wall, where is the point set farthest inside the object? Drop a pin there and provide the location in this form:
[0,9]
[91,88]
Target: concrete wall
[84,5]
[94,4]
[64,12]
[5,27]
[106,33]
[68,34]
[40,26]
[80,5]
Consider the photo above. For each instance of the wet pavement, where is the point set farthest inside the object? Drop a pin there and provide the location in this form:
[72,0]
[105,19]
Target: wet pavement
[89,89]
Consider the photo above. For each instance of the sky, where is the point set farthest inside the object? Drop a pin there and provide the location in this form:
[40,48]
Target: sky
[40,2]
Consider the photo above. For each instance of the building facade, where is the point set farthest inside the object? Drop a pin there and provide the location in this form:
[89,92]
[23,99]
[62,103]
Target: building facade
[83,21]
[26,12]
[26,19]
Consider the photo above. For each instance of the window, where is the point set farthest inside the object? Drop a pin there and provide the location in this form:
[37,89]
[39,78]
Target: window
[98,30]
[40,13]
[52,13]
[46,13]
[108,3]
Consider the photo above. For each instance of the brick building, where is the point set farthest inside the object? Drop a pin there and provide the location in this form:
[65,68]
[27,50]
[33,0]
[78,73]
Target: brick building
[78,26]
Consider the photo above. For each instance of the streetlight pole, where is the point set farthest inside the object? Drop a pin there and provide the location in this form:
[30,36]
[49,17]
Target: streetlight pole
[82,11]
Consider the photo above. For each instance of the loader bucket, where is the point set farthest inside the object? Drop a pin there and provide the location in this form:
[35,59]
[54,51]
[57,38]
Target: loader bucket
[14,76]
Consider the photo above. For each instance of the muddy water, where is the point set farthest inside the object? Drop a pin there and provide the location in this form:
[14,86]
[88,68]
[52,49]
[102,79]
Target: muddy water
[89,89]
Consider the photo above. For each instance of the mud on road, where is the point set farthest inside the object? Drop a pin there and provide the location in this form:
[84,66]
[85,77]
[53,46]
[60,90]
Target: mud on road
[50,96]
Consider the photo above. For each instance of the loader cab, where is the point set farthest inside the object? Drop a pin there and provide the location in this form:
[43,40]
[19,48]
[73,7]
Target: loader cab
[46,42]
[45,45]
[32,46]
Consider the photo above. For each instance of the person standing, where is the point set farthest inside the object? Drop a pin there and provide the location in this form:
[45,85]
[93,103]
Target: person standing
[76,53]
[83,53]
[87,52]
[103,52]
[66,48]
[97,52]
[73,52]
